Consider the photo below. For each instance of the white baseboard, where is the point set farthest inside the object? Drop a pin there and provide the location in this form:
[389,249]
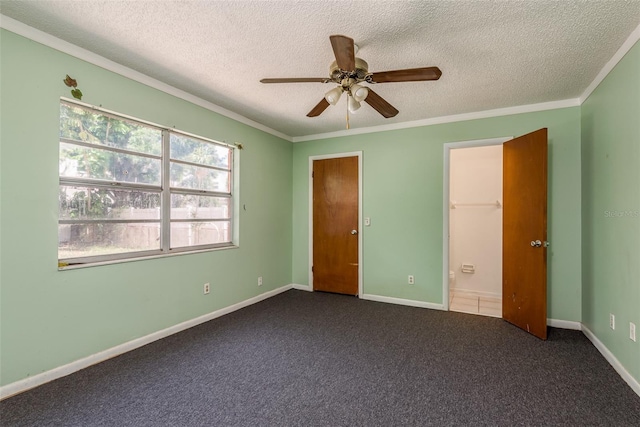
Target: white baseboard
[61,371]
[626,376]
[302,287]
[401,301]
[564,324]
[555,323]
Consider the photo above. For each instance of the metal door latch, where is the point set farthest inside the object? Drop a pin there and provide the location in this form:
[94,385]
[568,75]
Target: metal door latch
[538,243]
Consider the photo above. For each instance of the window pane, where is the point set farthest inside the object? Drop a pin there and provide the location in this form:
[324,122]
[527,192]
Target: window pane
[185,176]
[106,203]
[82,162]
[106,219]
[187,206]
[199,233]
[89,126]
[81,240]
[198,151]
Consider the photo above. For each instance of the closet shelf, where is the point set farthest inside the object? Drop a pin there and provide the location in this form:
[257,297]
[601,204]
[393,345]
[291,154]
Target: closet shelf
[453,204]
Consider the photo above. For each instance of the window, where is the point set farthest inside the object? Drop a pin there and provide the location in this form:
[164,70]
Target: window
[131,189]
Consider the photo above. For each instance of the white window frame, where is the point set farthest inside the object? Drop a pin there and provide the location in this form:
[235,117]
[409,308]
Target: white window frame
[164,189]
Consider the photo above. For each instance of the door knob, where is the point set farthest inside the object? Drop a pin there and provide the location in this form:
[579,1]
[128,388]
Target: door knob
[536,243]
[354,232]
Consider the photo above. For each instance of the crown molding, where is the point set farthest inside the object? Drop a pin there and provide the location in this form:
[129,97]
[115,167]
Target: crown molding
[617,57]
[48,40]
[575,102]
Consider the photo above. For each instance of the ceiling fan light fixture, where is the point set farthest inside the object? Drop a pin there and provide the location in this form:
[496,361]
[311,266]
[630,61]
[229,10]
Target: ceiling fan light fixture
[359,92]
[353,104]
[333,96]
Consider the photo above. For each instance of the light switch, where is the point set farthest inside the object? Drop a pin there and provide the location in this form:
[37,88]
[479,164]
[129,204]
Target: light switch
[367,222]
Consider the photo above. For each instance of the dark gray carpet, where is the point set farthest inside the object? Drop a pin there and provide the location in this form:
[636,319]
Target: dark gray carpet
[315,359]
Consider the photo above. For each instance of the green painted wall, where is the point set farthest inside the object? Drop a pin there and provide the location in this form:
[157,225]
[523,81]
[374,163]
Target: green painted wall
[402,193]
[49,317]
[611,210]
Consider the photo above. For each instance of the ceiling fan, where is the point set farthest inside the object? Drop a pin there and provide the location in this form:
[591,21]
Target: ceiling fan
[349,72]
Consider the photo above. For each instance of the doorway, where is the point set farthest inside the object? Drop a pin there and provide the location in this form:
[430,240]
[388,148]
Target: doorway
[335,241]
[467,286]
[524,229]
[475,230]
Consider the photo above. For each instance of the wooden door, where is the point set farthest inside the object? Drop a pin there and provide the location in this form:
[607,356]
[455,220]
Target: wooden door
[524,253]
[335,225]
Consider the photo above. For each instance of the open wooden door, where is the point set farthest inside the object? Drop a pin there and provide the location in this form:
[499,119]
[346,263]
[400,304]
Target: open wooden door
[335,225]
[524,236]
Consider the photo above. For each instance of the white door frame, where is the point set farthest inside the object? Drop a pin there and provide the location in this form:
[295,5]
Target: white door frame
[446,201]
[357,154]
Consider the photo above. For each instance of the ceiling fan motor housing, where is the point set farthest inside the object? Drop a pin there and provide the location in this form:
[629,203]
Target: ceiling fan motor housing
[359,74]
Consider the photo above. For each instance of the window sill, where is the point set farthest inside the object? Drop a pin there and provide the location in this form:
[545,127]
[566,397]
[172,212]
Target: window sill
[143,258]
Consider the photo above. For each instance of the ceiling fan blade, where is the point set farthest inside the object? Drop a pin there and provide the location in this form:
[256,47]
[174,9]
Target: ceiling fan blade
[297,80]
[380,105]
[408,75]
[318,109]
[343,49]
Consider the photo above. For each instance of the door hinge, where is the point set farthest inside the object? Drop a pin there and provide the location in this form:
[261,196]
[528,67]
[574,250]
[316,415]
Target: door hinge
[312,173]
[312,268]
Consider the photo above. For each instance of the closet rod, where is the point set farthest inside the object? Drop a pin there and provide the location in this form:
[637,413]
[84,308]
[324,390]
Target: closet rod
[454,204]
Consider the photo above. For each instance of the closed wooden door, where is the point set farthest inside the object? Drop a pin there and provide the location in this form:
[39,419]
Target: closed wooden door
[524,252]
[335,225]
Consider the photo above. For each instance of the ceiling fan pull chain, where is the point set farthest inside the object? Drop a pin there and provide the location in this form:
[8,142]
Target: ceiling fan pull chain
[347,116]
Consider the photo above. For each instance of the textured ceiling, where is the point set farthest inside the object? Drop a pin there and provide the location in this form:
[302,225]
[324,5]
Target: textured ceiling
[493,54]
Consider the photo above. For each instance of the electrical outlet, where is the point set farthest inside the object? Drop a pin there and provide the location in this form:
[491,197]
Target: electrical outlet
[612,321]
[411,280]
[632,331]
[260,281]
[206,288]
